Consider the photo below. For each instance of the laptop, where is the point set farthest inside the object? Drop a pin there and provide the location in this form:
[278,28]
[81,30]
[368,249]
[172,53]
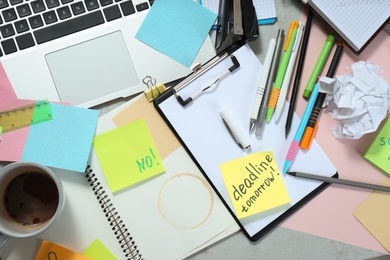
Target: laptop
[82,52]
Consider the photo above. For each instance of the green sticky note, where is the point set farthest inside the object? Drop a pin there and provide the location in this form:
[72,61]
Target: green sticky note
[379,151]
[128,155]
[97,250]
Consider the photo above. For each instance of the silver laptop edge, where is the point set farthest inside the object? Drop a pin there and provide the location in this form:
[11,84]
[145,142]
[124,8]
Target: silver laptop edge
[31,76]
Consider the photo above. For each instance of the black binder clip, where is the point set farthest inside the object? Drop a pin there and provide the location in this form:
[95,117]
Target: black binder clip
[237,21]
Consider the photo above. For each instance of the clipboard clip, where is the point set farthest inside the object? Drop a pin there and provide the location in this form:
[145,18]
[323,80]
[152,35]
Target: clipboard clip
[185,102]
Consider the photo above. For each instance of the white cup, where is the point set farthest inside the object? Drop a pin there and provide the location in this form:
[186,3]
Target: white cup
[31,199]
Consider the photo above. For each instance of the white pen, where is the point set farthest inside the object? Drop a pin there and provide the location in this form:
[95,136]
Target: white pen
[287,75]
[270,81]
[234,129]
[263,80]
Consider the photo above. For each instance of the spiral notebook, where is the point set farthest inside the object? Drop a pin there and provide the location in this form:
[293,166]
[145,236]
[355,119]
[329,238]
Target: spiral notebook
[122,234]
[169,216]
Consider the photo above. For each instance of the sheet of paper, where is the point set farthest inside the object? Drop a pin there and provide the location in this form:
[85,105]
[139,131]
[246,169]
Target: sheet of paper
[374,214]
[176,28]
[63,142]
[379,151]
[128,155]
[166,142]
[254,183]
[8,95]
[358,101]
[97,250]
[336,203]
[12,143]
[52,251]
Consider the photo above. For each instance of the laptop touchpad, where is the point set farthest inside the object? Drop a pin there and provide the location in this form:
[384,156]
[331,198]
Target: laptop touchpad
[92,69]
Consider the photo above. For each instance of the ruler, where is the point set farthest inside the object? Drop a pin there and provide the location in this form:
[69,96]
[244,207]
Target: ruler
[24,116]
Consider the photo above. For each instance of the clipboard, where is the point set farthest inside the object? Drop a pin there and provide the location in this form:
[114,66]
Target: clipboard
[200,129]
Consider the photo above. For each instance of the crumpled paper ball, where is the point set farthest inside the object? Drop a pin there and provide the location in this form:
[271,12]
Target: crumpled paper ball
[358,101]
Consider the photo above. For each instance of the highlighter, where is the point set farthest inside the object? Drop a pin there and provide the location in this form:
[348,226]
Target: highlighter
[288,46]
[319,65]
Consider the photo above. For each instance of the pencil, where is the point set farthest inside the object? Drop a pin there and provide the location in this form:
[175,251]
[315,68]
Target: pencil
[294,146]
[340,181]
[271,77]
[298,73]
[312,123]
[287,77]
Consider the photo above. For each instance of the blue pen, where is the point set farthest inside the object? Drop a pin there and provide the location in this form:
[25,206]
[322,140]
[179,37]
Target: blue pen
[294,146]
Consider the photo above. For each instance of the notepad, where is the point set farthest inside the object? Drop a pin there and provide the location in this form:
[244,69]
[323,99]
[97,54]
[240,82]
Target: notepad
[357,22]
[254,183]
[128,155]
[379,151]
[176,28]
[63,142]
[97,250]
[49,250]
[374,215]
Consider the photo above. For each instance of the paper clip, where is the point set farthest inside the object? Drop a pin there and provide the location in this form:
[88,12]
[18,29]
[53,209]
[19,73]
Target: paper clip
[154,90]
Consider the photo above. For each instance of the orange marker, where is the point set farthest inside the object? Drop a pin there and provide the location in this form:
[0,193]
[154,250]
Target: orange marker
[293,25]
[308,137]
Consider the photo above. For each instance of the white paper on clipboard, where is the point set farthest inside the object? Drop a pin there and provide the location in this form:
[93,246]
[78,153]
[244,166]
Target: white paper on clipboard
[203,133]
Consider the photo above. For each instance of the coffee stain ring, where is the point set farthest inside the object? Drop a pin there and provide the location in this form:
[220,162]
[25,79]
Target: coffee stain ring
[205,184]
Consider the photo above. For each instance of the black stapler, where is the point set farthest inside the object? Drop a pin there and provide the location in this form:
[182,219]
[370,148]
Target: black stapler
[237,21]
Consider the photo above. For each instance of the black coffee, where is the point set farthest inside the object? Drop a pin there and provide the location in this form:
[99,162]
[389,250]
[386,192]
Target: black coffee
[31,198]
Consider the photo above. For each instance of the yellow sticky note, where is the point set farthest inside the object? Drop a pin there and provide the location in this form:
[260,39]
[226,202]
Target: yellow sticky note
[51,251]
[127,155]
[97,250]
[254,184]
[379,151]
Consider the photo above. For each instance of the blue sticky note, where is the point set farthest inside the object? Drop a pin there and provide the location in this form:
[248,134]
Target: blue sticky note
[176,28]
[63,142]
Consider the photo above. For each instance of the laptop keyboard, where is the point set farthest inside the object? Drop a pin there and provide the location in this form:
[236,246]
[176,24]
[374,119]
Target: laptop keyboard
[24,24]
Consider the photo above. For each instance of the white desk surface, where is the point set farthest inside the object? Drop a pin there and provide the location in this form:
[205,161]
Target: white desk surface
[281,243]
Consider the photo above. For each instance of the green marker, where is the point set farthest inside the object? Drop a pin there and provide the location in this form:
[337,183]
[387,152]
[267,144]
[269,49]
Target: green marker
[319,65]
[282,69]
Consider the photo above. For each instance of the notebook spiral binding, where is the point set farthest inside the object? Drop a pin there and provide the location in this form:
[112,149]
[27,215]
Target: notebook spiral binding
[126,242]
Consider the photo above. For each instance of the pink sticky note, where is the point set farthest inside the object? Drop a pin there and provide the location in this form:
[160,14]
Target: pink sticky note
[12,143]
[7,94]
